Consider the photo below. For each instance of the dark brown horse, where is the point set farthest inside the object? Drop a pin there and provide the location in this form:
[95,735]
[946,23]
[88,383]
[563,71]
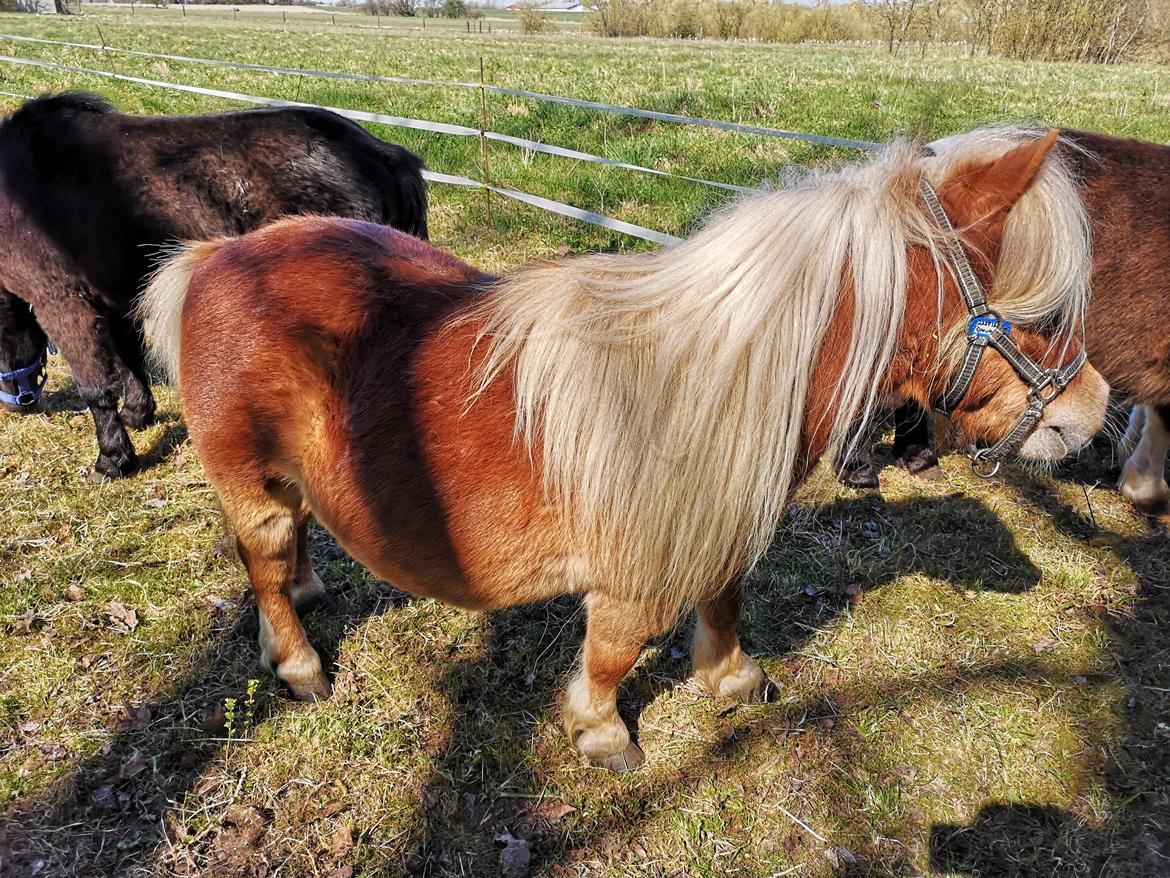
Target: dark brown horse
[1125,187]
[88,196]
[625,427]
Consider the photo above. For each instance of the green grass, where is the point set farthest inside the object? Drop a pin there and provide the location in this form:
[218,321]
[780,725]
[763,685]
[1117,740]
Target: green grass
[975,675]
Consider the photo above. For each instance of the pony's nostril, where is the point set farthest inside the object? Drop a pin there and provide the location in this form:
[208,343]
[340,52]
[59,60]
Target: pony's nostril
[1056,429]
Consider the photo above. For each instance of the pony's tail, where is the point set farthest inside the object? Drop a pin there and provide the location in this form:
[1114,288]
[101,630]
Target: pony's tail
[160,308]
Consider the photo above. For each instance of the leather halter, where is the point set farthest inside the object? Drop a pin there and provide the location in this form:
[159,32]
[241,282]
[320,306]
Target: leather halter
[985,329]
[29,380]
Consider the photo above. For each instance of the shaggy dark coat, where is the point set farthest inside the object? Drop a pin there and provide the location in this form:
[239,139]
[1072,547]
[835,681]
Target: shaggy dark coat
[88,196]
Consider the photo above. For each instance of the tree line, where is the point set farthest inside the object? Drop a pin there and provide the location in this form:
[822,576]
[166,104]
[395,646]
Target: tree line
[1100,31]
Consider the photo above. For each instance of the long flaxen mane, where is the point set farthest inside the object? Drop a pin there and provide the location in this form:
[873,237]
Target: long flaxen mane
[663,393]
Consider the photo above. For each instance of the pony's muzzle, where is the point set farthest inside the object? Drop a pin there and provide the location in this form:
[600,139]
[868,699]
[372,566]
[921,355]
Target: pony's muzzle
[1071,420]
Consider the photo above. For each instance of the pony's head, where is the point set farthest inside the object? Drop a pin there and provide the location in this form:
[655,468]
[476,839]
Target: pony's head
[1007,366]
[22,355]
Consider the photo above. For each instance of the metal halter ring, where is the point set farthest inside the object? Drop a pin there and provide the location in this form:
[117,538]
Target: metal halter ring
[979,458]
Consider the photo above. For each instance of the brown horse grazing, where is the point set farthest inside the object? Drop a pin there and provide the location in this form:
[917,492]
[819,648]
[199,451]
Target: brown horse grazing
[628,427]
[1123,186]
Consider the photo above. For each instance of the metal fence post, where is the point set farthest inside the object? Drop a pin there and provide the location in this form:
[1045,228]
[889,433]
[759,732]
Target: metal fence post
[483,109]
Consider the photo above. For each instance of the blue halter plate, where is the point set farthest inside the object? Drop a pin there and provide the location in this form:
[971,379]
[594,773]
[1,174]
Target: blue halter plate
[29,380]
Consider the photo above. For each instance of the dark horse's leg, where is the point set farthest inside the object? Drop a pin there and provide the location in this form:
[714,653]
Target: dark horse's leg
[138,408]
[83,336]
[858,469]
[912,439]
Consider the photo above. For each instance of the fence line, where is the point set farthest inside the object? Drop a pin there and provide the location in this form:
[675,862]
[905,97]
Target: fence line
[558,207]
[443,127]
[763,131]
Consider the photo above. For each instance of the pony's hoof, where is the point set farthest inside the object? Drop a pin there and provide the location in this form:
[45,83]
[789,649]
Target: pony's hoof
[862,478]
[765,693]
[318,689]
[628,760]
[1158,508]
[918,459]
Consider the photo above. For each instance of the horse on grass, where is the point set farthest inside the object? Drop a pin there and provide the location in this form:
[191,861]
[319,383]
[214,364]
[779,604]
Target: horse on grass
[1123,186]
[628,427]
[88,196]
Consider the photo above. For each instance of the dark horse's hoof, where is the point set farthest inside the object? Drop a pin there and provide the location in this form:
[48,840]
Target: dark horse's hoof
[135,420]
[1158,508]
[862,477]
[918,459]
[113,468]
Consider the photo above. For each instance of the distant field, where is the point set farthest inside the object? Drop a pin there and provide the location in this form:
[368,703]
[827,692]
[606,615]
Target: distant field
[975,675]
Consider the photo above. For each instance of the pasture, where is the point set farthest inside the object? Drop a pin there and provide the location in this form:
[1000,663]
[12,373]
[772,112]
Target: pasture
[974,675]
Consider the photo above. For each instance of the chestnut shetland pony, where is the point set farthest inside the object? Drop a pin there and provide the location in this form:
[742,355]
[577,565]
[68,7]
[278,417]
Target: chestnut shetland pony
[625,427]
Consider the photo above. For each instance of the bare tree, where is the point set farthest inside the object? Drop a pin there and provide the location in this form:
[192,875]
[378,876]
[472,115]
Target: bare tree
[898,17]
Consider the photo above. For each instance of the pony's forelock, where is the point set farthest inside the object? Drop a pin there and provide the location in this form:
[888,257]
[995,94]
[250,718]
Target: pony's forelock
[663,394]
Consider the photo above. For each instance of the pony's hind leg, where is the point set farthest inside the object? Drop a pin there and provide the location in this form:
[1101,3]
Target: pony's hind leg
[615,633]
[307,588]
[1143,477]
[267,529]
[719,661]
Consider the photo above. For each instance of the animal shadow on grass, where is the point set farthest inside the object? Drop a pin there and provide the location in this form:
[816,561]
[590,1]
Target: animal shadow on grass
[480,791]
[102,819]
[1034,839]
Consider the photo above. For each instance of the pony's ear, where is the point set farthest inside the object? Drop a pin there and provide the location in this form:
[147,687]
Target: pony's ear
[979,191]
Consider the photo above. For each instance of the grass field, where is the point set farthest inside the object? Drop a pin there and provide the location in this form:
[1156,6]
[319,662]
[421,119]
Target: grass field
[975,675]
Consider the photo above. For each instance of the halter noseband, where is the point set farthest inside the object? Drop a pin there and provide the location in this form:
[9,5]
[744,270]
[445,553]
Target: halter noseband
[987,329]
[29,380]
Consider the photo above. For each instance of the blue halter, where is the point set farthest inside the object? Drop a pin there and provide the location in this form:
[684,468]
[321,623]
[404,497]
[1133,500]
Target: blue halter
[30,381]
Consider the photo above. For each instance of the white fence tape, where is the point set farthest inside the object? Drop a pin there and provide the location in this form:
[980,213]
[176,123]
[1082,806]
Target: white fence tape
[763,131]
[443,128]
[557,207]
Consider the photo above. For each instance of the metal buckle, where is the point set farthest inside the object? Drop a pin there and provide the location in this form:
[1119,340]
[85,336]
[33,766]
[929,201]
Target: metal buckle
[984,325]
[1051,383]
[26,397]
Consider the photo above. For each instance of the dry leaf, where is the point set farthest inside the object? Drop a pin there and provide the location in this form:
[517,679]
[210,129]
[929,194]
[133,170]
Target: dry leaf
[132,766]
[552,811]
[134,719]
[124,618]
[342,842]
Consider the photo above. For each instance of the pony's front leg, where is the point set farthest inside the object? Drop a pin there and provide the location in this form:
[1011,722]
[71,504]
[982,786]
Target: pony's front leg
[1143,477]
[615,633]
[719,661]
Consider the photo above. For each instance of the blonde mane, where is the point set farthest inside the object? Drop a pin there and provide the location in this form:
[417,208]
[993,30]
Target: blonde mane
[664,393]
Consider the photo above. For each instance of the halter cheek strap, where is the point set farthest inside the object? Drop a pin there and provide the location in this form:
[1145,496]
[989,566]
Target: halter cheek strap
[987,329]
[29,380]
